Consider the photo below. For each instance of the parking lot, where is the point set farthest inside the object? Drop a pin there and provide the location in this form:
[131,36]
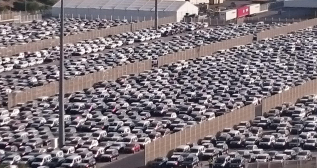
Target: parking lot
[124,115]
[85,57]
[12,34]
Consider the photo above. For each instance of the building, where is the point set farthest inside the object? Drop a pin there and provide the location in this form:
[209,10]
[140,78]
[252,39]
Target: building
[125,9]
[300,3]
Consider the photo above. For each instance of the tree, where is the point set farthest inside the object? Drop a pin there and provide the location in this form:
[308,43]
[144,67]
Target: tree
[33,6]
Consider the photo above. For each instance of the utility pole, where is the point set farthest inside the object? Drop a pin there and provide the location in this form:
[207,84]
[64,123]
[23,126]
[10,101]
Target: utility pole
[61,139]
[156,16]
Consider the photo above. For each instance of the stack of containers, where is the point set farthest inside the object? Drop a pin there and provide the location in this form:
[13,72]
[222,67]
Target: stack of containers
[228,14]
[243,11]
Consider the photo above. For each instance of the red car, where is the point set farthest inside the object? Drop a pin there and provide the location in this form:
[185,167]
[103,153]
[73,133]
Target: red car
[132,148]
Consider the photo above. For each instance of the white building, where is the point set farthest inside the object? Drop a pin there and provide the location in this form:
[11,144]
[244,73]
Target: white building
[125,9]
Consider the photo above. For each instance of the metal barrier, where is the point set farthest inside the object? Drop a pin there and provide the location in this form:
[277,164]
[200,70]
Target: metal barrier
[36,46]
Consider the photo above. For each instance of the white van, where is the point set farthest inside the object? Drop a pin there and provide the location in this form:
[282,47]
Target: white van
[124,130]
[130,139]
[4,121]
[181,149]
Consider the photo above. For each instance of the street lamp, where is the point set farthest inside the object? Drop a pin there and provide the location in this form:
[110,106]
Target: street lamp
[61,139]
[156,16]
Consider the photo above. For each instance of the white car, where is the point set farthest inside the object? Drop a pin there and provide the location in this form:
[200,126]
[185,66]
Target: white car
[8,67]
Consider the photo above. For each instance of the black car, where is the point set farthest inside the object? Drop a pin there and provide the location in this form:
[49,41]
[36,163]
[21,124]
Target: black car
[109,155]
[56,162]
[210,153]
[174,161]
[297,129]
[159,162]
[190,161]
[88,162]
[222,161]
[237,162]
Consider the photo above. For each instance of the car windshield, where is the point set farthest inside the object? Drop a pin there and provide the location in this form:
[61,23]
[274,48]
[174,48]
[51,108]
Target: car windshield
[179,150]
[279,157]
[95,134]
[266,140]
[236,161]
[38,160]
[193,150]
[209,151]
[220,160]
[126,140]
[261,157]
[85,161]
[303,153]
[280,140]
[251,139]
[190,159]
[173,159]
[25,159]
[108,152]
[141,140]
[310,141]
[55,159]
[69,161]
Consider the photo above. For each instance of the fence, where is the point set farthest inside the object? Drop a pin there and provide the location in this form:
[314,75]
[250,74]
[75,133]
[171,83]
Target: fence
[204,50]
[78,83]
[28,18]
[131,161]
[36,46]
[286,29]
[287,164]
[8,16]
[290,95]
[163,146]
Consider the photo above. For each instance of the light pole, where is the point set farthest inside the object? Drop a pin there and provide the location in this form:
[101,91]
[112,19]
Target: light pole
[156,16]
[25,5]
[61,139]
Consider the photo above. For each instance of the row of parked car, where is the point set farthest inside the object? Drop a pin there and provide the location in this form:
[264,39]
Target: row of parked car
[101,44]
[268,138]
[119,56]
[12,34]
[139,108]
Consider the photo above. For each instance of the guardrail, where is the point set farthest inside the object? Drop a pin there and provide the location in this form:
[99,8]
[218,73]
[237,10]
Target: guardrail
[36,46]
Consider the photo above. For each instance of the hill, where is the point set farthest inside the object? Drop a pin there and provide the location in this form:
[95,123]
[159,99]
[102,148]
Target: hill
[32,5]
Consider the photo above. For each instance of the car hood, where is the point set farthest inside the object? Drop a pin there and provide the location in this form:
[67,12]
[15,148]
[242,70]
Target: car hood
[7,162]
